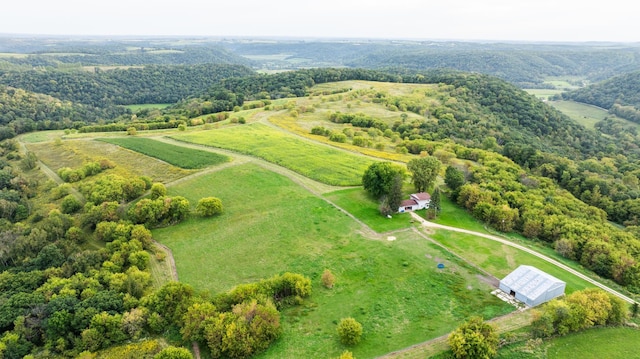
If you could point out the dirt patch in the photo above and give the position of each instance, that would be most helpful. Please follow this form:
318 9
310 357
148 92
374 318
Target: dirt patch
493 281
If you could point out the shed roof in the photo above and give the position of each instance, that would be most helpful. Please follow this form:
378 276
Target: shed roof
531 282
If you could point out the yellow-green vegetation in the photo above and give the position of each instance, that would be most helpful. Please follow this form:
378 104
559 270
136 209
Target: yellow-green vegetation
297 126
270 225
146 349
319 162
179 156
74 153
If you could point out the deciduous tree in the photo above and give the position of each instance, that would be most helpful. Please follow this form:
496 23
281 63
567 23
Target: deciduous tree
424 171
474 339
378 178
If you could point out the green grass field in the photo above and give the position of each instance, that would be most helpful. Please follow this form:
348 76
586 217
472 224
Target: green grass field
610 343
271 225
150 106
585 115
321 163
74 153
357 202
180 156
604 342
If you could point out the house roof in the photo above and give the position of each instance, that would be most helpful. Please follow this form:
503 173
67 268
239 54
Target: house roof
408 202
422 196
531 282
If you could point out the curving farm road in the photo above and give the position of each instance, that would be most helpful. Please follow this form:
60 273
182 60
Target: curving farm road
528 250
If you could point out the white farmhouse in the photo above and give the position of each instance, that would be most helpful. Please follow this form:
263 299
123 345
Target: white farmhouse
415 202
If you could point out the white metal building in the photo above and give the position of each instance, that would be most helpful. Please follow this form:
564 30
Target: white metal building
532 286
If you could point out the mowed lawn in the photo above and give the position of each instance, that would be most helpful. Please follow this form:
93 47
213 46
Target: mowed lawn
271 225
179 156
319 162
357 202
610 343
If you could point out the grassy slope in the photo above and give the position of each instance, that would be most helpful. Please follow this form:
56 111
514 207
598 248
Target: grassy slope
496 258
73 153
270 225
321 163
604 342
182 157
357 202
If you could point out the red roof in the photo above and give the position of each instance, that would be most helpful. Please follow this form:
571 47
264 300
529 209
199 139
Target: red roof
422 196
408 202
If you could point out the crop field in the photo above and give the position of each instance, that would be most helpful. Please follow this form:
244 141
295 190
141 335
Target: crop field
179 156
74 153
319 162
271 225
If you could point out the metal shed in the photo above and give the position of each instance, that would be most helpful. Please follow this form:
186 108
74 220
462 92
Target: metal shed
532 286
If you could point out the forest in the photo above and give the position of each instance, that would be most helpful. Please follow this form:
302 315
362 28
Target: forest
76 255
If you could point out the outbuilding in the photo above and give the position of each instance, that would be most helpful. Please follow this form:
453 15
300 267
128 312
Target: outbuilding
532 286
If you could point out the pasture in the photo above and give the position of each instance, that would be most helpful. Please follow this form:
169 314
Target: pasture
180 156
74 153
603 342
147 106
586 115
271 225
319 162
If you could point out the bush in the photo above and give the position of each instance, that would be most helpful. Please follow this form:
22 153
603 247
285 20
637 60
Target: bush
158 190
474 339
209 206
70 204
328 279
173 353
349 331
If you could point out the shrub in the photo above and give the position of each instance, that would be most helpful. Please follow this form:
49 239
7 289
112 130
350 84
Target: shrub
349 331
173 353
209 206
328 279
70 204
474 339
158 190
338 137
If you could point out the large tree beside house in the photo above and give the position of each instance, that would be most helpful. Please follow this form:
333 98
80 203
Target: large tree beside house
379 177
424 171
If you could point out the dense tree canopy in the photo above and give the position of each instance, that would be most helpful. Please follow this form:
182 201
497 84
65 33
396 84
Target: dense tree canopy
378 179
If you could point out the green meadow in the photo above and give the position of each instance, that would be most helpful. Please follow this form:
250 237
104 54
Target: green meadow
179 156
319 162
596 343
271 225
149 106
357 202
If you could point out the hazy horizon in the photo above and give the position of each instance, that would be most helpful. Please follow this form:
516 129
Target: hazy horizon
456 20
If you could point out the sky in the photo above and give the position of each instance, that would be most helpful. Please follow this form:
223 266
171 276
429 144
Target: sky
501 20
